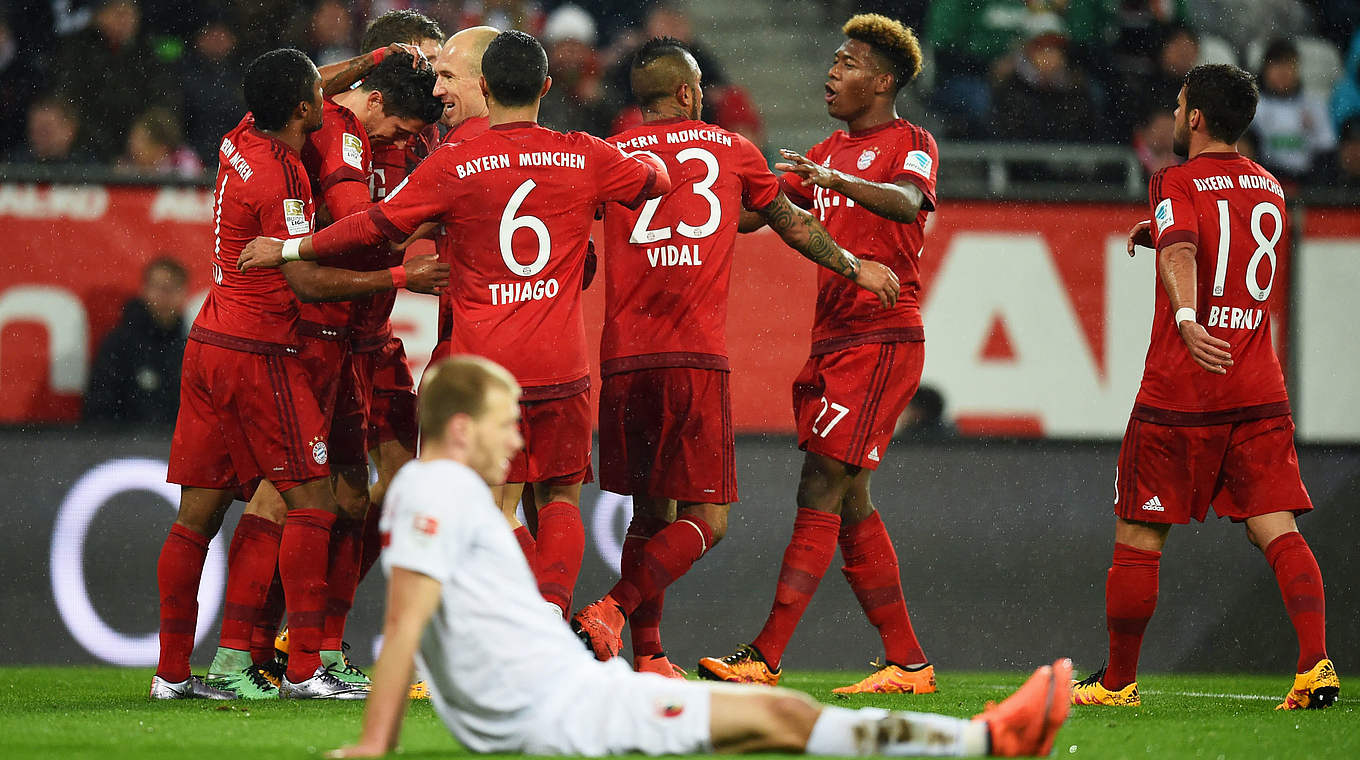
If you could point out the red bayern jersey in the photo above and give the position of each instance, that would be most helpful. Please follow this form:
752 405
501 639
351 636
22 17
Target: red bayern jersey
846 314
465 130
668 263
337 153
1233 211
261 189
517 204
368 320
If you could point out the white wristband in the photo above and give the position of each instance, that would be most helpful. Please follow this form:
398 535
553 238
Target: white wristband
292 249
1184 314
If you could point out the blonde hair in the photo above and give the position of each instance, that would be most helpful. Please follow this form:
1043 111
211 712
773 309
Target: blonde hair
459 385
891 39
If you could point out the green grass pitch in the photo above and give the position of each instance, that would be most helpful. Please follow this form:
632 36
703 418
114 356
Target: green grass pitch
104 713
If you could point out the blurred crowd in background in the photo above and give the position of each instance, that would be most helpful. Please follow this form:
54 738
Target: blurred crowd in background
149 86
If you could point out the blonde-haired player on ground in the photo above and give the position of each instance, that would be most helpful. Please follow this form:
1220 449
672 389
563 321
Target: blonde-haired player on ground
504 677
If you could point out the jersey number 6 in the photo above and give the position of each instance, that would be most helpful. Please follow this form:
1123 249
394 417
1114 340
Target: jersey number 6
510 223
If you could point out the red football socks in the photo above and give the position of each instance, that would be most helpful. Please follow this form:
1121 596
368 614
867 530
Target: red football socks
342 578
559 550
1296 570
806 560
644 625
372 541
303 563
671 552
251 559
1130 598
872 570
526 545
267 622
178 572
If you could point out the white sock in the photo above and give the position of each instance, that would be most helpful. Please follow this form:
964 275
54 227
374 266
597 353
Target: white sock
875 731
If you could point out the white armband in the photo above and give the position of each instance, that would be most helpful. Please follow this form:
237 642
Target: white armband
1184 314
292 249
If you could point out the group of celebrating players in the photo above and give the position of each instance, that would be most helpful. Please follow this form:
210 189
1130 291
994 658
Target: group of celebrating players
293 379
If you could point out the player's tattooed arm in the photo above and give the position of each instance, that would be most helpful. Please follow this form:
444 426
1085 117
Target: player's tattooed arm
341 75
806 235
899 202
750 221
1176 266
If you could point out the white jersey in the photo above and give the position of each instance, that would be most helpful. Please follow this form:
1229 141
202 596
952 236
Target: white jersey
492 654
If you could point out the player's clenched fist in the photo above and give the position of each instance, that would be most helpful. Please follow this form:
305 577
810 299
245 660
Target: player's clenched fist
425 274
260 252
879 280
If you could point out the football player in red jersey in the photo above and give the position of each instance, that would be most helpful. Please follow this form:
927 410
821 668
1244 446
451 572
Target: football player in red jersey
1211 425
872 185
247 411
517 204
668 267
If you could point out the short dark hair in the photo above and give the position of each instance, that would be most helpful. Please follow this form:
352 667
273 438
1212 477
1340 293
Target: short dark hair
515 68
658 67
1227 97
400 26
275 83
406 89
171 267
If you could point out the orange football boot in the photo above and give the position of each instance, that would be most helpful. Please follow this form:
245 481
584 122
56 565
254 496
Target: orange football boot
599 625
891 679
742 666
1027 722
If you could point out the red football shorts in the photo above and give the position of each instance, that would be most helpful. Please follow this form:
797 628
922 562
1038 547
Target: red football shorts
392 403
244 417
349 423
667 433
323 359
1169 474
556 442
846 403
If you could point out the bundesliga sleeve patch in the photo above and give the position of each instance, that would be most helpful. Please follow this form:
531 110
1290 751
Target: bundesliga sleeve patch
295 217
1164 216
918 162
352 150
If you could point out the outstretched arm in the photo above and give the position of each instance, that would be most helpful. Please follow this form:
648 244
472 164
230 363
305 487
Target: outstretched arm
806 235
1176 266
412 599
899 202
313 282
341 75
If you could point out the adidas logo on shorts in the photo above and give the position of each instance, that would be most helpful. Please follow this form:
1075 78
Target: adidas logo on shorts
873 455
1154 505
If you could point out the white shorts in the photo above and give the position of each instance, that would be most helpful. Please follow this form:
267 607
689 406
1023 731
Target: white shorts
616 711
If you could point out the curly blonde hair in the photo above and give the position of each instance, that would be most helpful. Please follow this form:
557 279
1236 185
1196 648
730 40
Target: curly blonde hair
891 39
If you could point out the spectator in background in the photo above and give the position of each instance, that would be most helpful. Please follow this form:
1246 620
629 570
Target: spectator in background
20 81
1140 28
53 129
1177 51
1043 98
1347 171
524 15
1292 128
1346 92
1153 143
213 104
156 146
331 35
923 419
576 101
111 74
135 377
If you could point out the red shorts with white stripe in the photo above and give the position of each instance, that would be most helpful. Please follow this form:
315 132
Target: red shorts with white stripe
846 402
244 417
392 404
667 433
556 441
1171 473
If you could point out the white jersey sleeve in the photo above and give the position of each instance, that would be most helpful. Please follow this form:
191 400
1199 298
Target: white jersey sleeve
420 524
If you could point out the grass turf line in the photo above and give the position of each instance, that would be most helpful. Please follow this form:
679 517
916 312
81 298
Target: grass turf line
104 713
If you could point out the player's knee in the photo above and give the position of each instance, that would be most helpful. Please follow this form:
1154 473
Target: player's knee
712 515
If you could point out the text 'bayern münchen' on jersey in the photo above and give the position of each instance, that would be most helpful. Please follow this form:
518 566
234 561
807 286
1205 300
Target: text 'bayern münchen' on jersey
261 189
517 203
890 153
1233 212
668 262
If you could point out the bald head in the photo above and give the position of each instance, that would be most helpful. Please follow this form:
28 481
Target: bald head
459 72
665 78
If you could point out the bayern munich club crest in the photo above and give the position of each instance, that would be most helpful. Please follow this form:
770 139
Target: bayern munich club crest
866 158
319 452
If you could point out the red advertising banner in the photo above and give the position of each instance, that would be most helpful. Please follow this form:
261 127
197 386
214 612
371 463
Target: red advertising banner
1036 320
